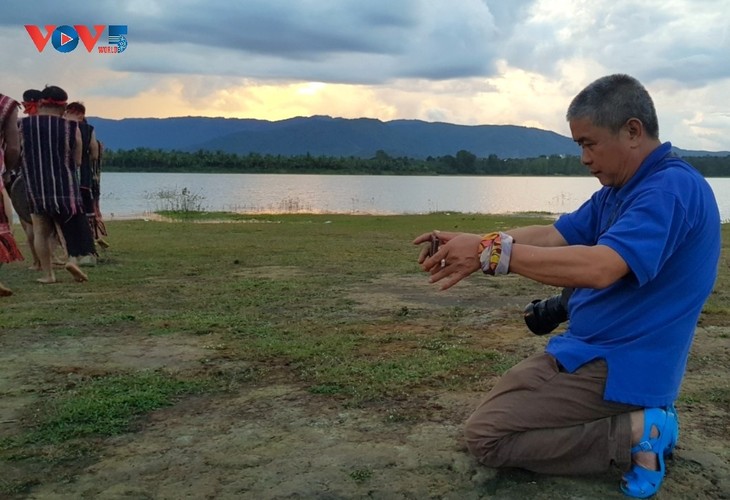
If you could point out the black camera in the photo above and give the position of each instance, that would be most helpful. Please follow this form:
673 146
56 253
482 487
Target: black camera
544 316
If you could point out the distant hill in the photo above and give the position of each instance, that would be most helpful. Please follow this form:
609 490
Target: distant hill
327 136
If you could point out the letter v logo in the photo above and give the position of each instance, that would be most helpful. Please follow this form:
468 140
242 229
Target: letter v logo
39 40
85 35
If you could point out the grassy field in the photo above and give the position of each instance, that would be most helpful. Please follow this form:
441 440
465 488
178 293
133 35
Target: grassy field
334 305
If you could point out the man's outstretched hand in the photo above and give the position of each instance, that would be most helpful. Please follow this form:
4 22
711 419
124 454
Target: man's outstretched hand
457 256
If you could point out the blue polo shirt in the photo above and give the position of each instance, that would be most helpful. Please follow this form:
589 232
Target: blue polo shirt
665 224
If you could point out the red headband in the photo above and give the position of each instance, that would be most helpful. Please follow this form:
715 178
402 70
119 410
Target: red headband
53 102
30 107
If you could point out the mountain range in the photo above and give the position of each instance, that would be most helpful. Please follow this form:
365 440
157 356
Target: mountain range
339 137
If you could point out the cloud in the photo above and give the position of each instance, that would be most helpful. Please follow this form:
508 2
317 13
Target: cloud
654 39
305 30
380 40
346 41
342 41
466 61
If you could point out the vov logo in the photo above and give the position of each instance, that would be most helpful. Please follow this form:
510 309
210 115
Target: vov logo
66 38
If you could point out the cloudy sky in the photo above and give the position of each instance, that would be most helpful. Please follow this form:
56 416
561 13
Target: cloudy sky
461 61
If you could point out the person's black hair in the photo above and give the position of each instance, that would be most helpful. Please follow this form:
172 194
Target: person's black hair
32 95
76 107
611 101
54 93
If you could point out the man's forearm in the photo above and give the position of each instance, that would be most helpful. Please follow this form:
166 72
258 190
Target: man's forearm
572 266
539 236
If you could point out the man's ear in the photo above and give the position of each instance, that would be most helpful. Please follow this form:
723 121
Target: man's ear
635 129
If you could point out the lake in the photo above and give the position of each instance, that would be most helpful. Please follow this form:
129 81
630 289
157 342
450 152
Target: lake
126 195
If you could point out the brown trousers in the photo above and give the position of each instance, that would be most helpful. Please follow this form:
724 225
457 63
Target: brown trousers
540 418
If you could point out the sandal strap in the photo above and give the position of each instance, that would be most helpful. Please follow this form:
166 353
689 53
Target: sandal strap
653 418
644 446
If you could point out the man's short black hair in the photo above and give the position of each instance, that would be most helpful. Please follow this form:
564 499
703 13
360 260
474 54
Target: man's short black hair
32 95
53 93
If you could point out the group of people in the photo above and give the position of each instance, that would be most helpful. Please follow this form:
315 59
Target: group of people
50 164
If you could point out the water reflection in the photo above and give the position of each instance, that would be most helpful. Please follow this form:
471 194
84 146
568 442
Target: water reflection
132 194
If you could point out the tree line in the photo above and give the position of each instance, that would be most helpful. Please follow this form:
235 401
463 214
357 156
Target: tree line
463 163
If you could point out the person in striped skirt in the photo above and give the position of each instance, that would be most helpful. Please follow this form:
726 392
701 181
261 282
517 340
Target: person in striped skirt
51 155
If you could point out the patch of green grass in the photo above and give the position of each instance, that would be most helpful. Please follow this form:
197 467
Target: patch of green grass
376 377
361 475
396 375
106 406
714 309
715 395
326 389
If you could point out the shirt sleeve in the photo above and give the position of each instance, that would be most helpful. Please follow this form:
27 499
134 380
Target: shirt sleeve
648 232
580 227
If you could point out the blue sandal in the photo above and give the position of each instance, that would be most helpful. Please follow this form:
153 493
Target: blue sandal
669 452
640 482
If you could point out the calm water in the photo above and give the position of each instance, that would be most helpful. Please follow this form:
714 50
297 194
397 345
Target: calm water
134 194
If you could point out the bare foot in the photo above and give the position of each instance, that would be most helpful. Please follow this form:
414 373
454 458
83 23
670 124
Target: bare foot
77 273
5 291
46 280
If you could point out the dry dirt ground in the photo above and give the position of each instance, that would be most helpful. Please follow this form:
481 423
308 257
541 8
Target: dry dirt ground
271 439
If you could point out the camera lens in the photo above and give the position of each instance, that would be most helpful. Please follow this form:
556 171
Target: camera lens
544 316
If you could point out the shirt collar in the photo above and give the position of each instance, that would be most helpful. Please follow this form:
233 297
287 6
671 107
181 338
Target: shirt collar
645 169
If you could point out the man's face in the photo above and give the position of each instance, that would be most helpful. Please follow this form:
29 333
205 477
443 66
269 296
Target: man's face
606 154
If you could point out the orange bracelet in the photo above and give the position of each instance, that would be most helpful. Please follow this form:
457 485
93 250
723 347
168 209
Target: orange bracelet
487 240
